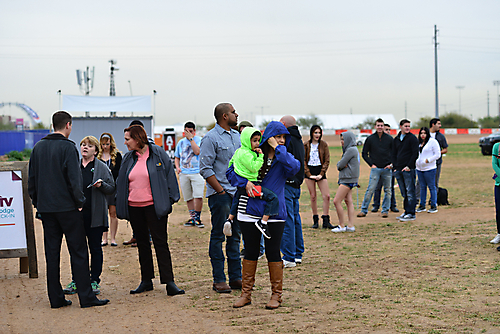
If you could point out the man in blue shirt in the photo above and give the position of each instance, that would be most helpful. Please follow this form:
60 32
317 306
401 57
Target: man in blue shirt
216 149
187 165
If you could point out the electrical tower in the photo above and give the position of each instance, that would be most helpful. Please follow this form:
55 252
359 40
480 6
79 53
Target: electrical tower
85 80
112 69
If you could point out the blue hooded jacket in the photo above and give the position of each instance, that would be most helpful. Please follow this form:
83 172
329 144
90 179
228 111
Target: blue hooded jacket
284 166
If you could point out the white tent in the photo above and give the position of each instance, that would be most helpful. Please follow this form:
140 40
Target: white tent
76 103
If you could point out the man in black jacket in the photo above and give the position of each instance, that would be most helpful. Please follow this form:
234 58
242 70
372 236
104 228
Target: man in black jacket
377 152
292 242
56 189
405 154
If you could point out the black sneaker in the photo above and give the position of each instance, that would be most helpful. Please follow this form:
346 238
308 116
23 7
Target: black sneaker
190 222
199 224
262 228
375 210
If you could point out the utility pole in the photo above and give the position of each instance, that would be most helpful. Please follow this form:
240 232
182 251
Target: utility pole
460 98
112 70
262 112
436 70
130 85
497 83
488 102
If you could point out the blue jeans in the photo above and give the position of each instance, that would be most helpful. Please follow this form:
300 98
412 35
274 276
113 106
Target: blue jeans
220 205
378 193
292 243
375 175
406 182
428 179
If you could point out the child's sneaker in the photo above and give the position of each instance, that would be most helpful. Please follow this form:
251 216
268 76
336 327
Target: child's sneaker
70 288
338 229
96 288
199 224
262 228
228 228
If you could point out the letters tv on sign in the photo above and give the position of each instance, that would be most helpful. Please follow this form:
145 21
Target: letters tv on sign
12 225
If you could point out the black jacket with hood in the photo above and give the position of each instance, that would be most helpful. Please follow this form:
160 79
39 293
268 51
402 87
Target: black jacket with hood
296 148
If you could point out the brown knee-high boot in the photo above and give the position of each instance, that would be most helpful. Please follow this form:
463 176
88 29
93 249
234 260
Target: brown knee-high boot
276 278
247 282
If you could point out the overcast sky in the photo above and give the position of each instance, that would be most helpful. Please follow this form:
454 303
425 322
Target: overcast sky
275 57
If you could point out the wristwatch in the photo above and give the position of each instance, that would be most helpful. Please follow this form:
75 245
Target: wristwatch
190 139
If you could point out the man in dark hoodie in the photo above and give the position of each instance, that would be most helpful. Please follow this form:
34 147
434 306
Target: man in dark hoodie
405 154
55 187
292 243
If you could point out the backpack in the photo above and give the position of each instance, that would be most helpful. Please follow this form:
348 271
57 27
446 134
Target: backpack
442 196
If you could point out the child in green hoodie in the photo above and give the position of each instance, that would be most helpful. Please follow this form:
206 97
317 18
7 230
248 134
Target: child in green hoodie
247 161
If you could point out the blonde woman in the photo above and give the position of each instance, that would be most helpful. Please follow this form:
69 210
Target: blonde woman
110 155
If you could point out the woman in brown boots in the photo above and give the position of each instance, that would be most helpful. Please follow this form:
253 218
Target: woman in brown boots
316 163
278 166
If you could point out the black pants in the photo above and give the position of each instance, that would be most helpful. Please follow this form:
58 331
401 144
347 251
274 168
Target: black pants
145 221
69 224
251 238
94 238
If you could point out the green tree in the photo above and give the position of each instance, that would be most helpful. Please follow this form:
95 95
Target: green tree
489 122
309 121
39 126
368 123
454 120
449 120
424 121
264 124
7 127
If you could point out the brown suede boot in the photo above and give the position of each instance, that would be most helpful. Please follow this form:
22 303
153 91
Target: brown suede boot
247 282
276 278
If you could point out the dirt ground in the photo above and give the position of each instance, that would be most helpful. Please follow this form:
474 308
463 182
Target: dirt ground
438 274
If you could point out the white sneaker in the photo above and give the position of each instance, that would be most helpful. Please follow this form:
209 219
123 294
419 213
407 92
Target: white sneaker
350 229
298 261
289 264
399 217
338 229
496 239
432 210
228 230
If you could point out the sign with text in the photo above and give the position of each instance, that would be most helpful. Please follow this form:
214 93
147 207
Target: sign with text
12 225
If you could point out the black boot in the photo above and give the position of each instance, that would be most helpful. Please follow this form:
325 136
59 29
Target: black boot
173 290
144 286
315 221
326 222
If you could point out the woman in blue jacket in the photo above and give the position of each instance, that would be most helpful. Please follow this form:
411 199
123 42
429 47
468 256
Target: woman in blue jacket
278 166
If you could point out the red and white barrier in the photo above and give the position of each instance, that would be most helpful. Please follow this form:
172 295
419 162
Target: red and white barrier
471 131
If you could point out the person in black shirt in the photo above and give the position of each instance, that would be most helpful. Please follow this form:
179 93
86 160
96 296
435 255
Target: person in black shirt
377 152
97 184
55 187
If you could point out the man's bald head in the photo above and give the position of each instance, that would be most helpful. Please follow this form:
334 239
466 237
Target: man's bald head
288 121
221 109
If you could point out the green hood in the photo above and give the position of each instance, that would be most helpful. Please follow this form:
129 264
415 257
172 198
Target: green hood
246 135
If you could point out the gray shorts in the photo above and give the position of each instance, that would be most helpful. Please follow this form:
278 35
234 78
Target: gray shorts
192 186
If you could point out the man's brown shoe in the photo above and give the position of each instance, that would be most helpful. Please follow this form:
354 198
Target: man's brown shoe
361 214
235 285
131 241
221 287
